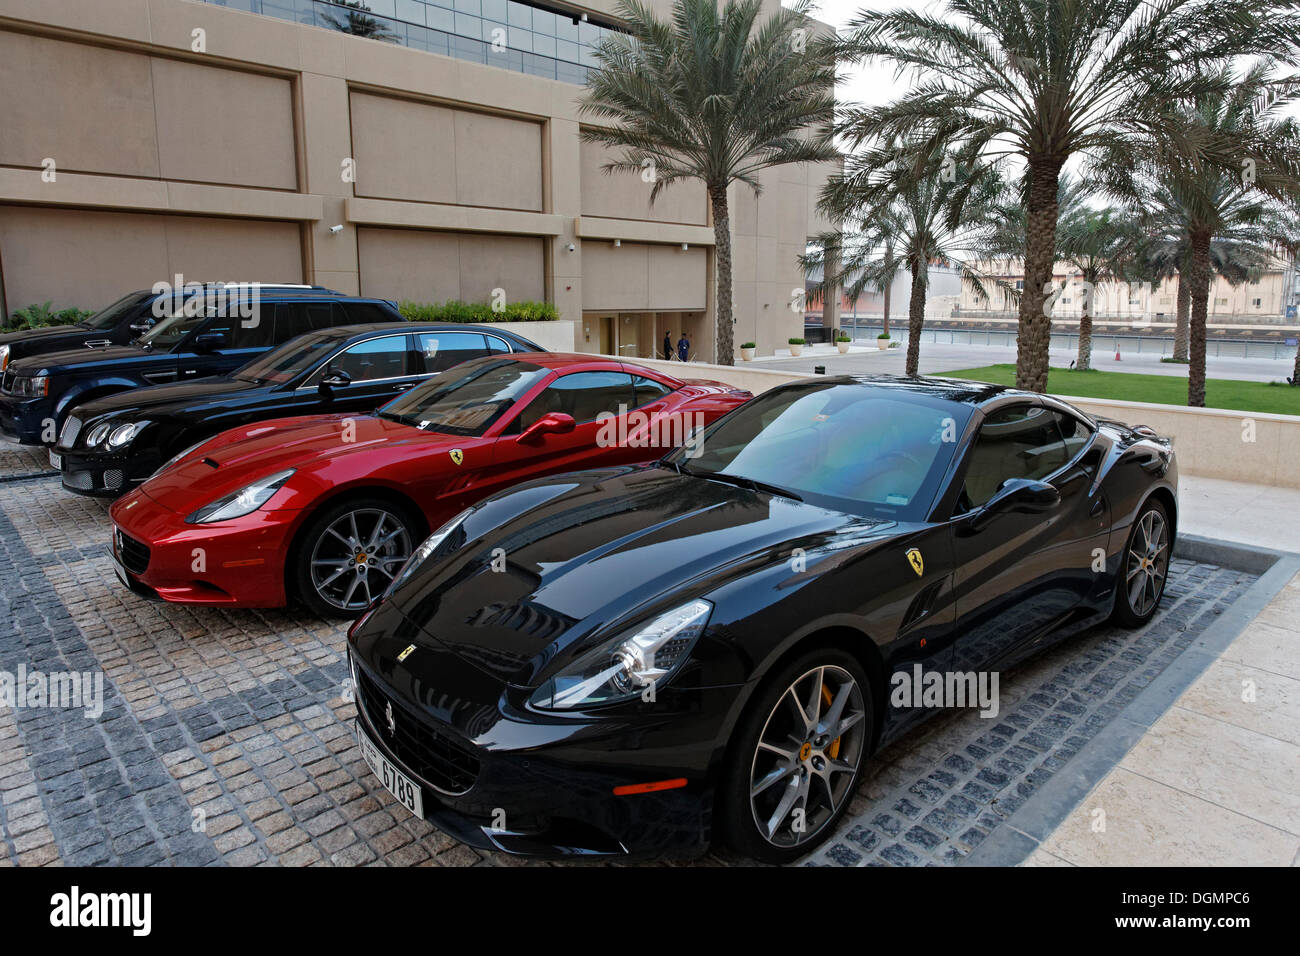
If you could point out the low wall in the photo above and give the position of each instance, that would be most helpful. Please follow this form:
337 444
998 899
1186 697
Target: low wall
1259 448
554 336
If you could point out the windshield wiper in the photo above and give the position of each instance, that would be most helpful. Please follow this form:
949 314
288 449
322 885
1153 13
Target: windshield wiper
400 419
743 482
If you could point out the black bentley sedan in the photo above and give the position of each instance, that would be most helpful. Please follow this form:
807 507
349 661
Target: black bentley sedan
640 660
111 445
196 331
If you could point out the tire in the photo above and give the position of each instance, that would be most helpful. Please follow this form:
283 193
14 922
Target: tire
338 566
763 784
1143 568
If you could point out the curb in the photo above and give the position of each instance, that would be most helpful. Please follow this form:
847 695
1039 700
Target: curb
1047 809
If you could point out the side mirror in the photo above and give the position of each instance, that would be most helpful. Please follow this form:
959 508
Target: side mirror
335 379
209 341
1019 495
552 423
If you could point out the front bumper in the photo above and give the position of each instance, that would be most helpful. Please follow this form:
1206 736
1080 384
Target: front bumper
23 420
103 476
534 785
232 564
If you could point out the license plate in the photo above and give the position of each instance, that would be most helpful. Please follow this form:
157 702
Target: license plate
56 461
120 569
406 790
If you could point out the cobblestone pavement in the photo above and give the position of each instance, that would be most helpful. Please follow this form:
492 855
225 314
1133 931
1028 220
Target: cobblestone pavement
226 736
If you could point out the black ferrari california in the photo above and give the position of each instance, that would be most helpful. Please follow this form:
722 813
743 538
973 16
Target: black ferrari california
636 661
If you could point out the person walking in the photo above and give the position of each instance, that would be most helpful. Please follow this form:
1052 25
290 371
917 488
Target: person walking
683 347
668 346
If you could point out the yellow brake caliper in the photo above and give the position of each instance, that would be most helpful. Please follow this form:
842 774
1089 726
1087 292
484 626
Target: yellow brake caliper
834 748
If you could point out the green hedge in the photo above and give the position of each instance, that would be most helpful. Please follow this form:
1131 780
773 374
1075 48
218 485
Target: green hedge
455 311
40 316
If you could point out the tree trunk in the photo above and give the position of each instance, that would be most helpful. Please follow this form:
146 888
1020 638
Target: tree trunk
1035 326
1184 310
1199 279
1084 361
915 318
885 306
724 341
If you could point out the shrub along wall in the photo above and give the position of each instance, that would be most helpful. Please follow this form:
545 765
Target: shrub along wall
455 311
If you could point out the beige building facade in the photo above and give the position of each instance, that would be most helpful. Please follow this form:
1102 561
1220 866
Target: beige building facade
1261 300
144 139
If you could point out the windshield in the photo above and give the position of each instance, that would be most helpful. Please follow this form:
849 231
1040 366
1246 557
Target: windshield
466 399
173 326
877 452
108 318
289 360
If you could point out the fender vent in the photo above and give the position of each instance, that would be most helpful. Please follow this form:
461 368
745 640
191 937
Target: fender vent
921 604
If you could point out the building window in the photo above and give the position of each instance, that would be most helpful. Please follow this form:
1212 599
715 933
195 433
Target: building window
1256 302
521 37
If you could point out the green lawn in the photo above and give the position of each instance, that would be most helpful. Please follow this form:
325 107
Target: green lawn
1162 389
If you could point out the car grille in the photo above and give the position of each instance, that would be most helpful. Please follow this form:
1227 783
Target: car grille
428 754
134 554
79 480
7 382
71 429
112 479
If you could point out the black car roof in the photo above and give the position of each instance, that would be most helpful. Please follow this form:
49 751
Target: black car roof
947 389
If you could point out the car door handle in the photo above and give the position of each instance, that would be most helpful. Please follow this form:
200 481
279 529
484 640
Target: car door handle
404 386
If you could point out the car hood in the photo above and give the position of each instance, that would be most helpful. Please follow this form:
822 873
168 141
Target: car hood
162 401
72 361
590 553
308 444
45 332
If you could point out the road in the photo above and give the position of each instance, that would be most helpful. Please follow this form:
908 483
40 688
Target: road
937 358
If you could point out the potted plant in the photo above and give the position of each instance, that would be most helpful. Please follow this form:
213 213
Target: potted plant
796 347
882 341
747 350
842 343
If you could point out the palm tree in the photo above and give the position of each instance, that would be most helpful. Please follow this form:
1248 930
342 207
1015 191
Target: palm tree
1251 206
908 215
717 94
1047 81
1236 259
356 23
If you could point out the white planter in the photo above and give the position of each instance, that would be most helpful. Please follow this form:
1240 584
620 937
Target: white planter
747 355
882 344
843 347
796 350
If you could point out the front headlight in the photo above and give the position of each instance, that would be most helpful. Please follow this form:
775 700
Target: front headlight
123 435
97 433
4 357
35 386
623 667
242 502
426 548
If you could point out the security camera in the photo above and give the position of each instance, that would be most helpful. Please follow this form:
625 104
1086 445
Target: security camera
336 229
571 247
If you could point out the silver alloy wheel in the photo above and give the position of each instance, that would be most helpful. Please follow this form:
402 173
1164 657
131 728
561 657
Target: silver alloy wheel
357 557
1147 563
807 756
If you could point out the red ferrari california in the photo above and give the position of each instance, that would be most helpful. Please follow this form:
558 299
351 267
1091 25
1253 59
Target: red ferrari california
329 507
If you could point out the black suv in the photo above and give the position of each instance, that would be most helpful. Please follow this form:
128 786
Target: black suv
195 334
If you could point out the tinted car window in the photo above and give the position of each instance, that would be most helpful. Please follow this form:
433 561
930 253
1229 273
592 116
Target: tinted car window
174 326
495 344
647 390
368 312
323 315
444 350
258 329
1020 441
387 357
857 449
109 317
467 399
1074 432
584 395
